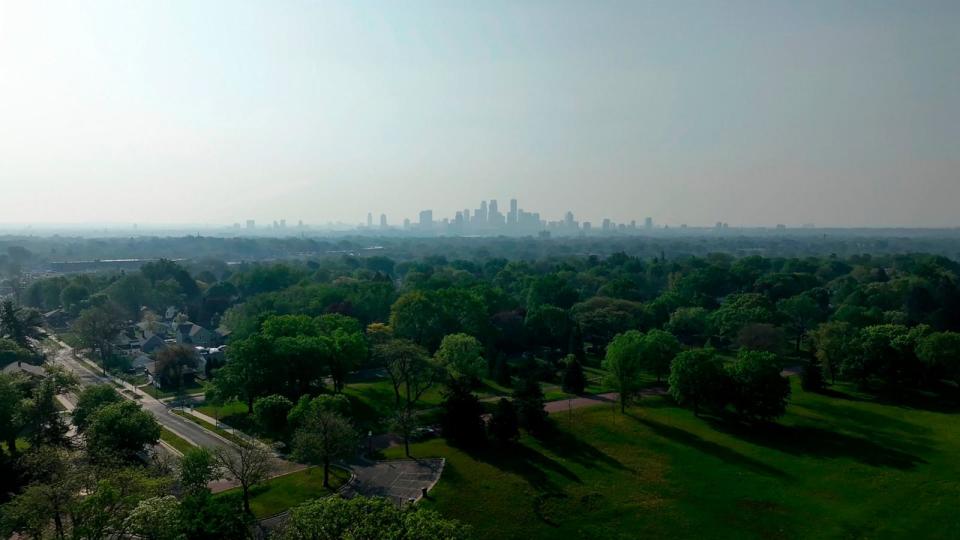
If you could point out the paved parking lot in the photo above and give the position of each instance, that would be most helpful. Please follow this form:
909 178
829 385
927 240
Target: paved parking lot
400 480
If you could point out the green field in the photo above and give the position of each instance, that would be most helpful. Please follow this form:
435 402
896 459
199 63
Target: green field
835 467
283 492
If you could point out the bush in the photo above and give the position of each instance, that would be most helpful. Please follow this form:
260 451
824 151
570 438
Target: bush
270 413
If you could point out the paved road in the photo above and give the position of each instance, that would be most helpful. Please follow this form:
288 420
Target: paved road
186 429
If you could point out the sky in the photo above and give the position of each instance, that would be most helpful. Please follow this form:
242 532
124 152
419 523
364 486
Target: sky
839 113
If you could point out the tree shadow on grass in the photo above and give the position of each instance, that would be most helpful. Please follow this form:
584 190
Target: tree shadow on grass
942 401
571 447
708 447
820 443
525 462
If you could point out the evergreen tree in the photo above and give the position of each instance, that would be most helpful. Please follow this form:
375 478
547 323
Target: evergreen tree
504 424
528 397
574 380
462 419
811 379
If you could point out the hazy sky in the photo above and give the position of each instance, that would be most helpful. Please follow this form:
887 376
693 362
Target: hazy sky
839 113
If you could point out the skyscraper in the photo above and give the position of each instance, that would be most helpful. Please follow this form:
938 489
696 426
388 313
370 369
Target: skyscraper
426 219
251 224
512 216
648 223
369 220
383 221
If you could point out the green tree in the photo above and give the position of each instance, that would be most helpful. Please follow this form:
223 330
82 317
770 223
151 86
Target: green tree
803 312
529 401
325 436
10 416
96 328
697 379
689 324
624 365
410 369
940 353
198 467
504 424
334 518
462 416
270 413
574 381
658 348
460 357
404 422
120 431
834 344
156 518
20 325
173 362
759 391
91 400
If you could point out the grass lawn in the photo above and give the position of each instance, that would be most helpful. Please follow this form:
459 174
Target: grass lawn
175 440
156 393
835 467
279 494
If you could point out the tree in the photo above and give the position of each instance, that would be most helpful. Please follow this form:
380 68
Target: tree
72 296
460 357
689 324
120 431
250 372
334 518
409 367
39 413
811 378
324 437
96 328
803 312
10 405
403 422
10 352
602 318
657 349
833 343
504 424
22 326
249 464
759 391
529 401
623 364
697 378
173 362
91 400
205 517
156 518
574 381
462 417
198 467
270 413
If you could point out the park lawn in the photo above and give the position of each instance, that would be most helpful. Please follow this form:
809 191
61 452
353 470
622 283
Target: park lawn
835 467
283 492
175 440
156 393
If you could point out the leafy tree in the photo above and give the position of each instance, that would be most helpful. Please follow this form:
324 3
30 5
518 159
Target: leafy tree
334 518
737 311
759 392
574 381
601 318
249 464
72 296
198 467
403 422
504 423
460 356
156 518
697 379
173 362
96 328
462 417
22 326
270 413
834 345
307 406
409 367
11 352
688 324
249 373
803 312
658 348
624 364
11 423
120 431
347 351
90 400
940 353
529 401
40 416
811 378
760 337
205 517
501 371
324 437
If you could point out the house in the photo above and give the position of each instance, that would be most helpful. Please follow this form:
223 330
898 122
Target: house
152 344
158 380
170 313
147 328
189 333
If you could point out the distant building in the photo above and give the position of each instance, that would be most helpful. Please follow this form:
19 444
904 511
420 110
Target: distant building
648 223
251 224
383 221
369 220
426 219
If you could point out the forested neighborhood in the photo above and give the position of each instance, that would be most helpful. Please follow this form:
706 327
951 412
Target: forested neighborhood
309 371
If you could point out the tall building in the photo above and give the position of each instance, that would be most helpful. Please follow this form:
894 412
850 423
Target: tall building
512 216
426 219
251 224
568 219
383 221
648 223
283 224
369 220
